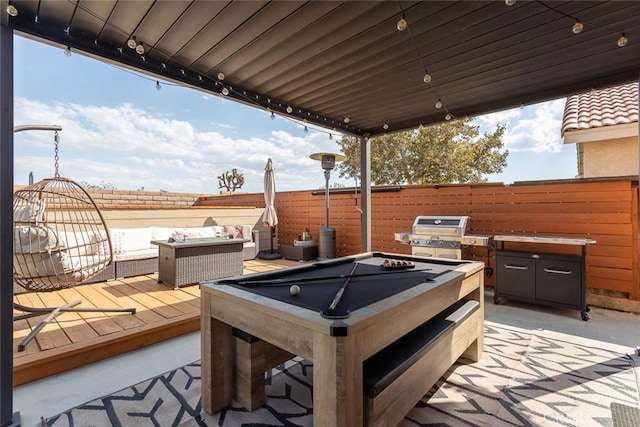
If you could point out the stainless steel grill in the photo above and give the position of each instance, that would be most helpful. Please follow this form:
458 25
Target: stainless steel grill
441 237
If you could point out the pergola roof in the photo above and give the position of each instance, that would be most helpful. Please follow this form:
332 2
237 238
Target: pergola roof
329 61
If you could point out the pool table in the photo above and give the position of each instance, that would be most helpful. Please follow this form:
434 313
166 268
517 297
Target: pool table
378 306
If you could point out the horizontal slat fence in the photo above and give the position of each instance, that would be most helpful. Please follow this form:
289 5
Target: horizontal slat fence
602 210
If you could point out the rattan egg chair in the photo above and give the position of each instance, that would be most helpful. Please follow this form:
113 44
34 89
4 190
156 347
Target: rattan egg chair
60 240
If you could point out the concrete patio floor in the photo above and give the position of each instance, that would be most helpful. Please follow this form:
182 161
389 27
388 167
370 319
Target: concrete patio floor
52 395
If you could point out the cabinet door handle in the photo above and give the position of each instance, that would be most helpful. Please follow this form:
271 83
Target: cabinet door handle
547 270
516 267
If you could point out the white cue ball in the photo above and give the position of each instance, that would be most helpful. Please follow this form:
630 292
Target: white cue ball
294 290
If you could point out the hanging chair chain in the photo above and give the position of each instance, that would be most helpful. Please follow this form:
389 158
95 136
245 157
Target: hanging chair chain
56 157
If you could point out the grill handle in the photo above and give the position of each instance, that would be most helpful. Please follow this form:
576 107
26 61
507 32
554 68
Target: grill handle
515 267
566 272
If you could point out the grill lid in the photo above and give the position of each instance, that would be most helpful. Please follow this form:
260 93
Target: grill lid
440 225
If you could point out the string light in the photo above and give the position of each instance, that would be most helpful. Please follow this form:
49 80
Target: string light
132 43
509 2
622 41
577 27
385 126
12 11
438 104
427 77
273 115
448 116
402 23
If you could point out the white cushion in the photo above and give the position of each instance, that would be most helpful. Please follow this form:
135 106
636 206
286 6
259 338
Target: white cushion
140 254
161 233
246 232
34 239
78 243
30 212
195 232
39 264
130 239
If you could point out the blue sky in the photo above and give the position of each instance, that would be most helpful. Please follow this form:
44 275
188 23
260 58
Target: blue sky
118 129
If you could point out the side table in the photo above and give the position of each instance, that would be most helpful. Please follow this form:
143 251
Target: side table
299 253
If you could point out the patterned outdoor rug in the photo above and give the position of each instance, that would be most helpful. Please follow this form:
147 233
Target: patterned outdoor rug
523 379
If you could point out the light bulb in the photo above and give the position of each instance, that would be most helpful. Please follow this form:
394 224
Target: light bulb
273 116
346 119
330 136
220 76
509 2
67 51
577 27
140 49
306 129
439 104
402 24
12 11
622 41
158 87
132 43
427 77
225 91
448 116
385 126
289 109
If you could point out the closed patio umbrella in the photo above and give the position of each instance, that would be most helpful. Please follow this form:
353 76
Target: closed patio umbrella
270 216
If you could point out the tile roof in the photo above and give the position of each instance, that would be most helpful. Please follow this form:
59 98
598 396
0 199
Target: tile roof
599 108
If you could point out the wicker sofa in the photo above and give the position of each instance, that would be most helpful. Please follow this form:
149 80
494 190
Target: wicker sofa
134 255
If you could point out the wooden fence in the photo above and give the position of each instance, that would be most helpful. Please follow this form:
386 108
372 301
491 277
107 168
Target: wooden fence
603 210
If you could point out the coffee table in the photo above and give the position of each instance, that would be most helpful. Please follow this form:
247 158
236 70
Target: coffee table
191 261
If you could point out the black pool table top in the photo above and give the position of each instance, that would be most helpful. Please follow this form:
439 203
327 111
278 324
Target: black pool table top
318 283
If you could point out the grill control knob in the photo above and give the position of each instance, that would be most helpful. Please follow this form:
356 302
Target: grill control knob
452 244
440 243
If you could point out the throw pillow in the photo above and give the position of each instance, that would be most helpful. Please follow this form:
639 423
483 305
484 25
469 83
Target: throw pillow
234 231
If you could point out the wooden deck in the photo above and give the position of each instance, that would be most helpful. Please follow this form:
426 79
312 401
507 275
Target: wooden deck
76 339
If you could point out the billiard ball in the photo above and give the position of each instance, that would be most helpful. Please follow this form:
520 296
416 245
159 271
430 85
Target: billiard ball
294 290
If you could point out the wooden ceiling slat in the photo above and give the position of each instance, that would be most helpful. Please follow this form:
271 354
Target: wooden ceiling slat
249 32
225 23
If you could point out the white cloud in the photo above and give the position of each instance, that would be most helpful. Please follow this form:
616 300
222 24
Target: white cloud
541 132
131 148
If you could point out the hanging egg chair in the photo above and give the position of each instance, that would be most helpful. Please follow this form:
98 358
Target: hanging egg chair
60 240
60 237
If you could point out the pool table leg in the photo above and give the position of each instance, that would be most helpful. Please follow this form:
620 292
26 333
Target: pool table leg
217 359
337 381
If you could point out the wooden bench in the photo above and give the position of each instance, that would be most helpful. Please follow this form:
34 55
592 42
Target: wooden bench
395 378
399 375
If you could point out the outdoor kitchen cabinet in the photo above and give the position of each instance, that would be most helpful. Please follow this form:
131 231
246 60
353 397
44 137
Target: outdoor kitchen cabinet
555 280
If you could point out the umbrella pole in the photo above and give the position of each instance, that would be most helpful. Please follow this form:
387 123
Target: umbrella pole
273 234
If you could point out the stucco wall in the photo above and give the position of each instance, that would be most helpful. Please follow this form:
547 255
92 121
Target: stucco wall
615 157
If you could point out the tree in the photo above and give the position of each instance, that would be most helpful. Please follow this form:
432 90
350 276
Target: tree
231 181
452 152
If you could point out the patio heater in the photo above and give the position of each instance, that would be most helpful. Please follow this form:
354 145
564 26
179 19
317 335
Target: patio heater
327 235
